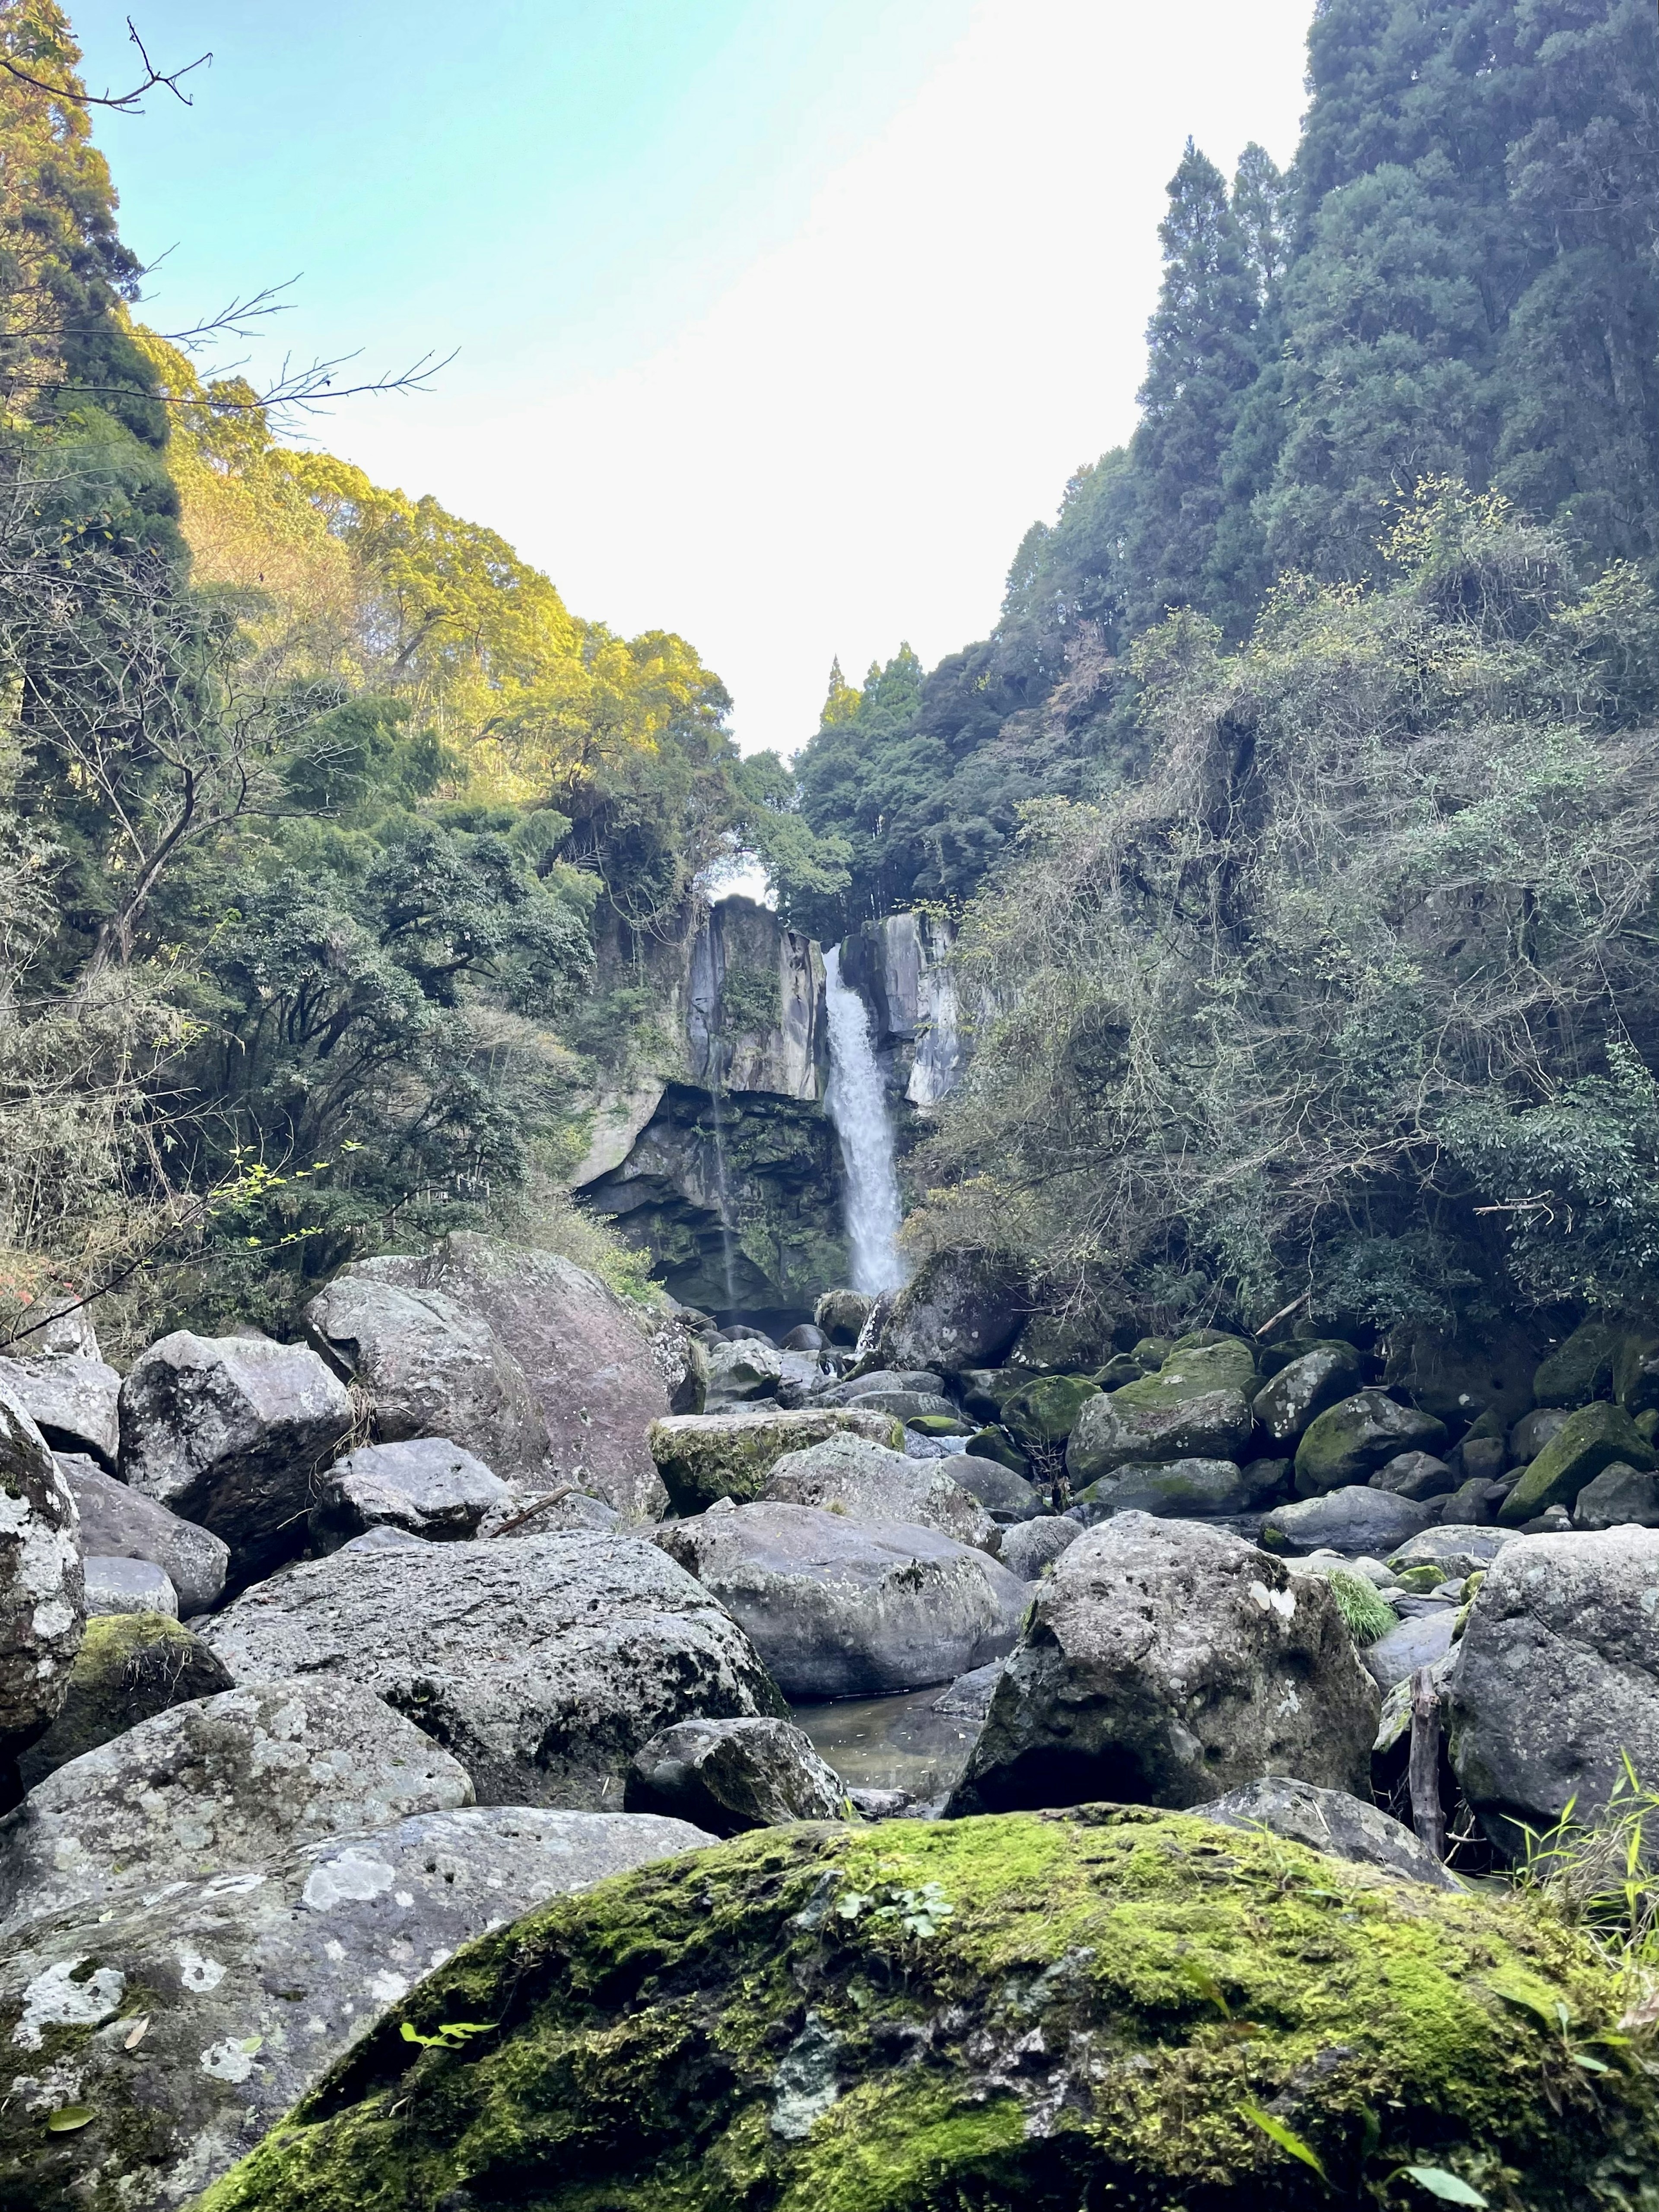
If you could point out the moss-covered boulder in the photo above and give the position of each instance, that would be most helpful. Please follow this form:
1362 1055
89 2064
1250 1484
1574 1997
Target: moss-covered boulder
1046 1412
704 1456
129 1666
1593 1438
1579 1369
1039 2010
1352 1439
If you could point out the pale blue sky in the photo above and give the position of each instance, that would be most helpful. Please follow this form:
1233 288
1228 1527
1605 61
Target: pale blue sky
778 323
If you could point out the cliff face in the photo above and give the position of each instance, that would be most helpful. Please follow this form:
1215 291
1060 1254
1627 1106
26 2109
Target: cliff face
902 968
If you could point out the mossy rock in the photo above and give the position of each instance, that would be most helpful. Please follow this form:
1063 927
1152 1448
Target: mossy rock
794 2022
1045 1412
1579 1369
1591 1439
996 1444
129 1666
704 1456
939 1425
1226 1363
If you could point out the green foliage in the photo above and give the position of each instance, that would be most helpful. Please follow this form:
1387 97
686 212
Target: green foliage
1366 1614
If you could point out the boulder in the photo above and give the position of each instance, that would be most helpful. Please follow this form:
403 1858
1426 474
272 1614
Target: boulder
969 1697
1534 1430
1457 1551
704 1456
1054 1344
1473 1504
120 1523
1355 1519
1164 1417
430 1486
727 1776
850 1474
841 1314
1046 1412
1004 1494
1162 1658
1303 1388
1031 1546
805 1336
1579 1369
560 1511
1333 1821
129 1666
117 1585
1620 1497
1420 1640
1558 1683
905 1404
1181 1490
1636 1373
1594 1438
231 1432
985 1390
223 1782
42 1589
841 1609
75 1402
186 2021
821 2039
542 1664
857 1386
742 1369
1482 1459
1350 1441
1415 1475
960 1309
429 1366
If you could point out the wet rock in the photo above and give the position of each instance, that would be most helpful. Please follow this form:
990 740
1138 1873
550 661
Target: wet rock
867 1482
960 1309
230 1431
559 1513
704 1456
430 1486
1592 1438
1306 1386
1004 1494
75 1402
1415 1475
1558 1683
226 1782
969 1697
129 1666
1162 1658
543 1664
1342 1825
118 1585
1347 1443
42 1592
1473 1504
120 1523
841 1314
1031 1546
188 2021
1182 1490
1354 1519
841 1609
1619 1497
1419 1641
727 1776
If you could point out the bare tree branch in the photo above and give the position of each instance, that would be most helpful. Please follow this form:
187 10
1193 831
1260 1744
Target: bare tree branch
123 103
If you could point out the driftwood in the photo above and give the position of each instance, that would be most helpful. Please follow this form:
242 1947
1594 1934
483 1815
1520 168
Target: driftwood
1423 1769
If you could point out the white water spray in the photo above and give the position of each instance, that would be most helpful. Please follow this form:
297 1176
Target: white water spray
857 1104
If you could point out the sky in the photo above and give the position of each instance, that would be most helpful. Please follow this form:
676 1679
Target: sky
776 325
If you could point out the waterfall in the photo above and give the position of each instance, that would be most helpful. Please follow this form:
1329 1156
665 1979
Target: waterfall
857 1104
722 1187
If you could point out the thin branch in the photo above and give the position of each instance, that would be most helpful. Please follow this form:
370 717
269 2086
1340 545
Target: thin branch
123 103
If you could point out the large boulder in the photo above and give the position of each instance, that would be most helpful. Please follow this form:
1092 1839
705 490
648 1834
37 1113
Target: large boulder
543 1664
129 1666
1349 1441
1179 1490
75 1402
1000 1489
120 1523
1194 1406
1045 1413
431 1486
1165 1663
1305 1386
704 1456
741 1372
1334 1821
1356 1519
1029 2011
429 1366
841 1314
223 1782
842 1608
1592 1438
1422 1639
121 1585
42 1589
727 1776
1580 1368
231 1432
1620 1497
1558 1682
1030 1547
960 1309
867 1481
187 2021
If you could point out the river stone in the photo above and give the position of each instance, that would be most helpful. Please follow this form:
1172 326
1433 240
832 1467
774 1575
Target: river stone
1415 1475
120 1523
905 1405
1620 1497
727 1776
882 1378
543 1664
969 1697
1350 1441
1162 1658
1636 1373
1119 1429
231 1432
1594 1438
223 1782
1334 1821
129 1666
429 1485
1046 1412
1182 1489
841 1609
429 1366
1457 1551
1354 1519
741 1370
562 1511
1031 1546
42 1590
1473 1504
959 1309
704 1456
252 1984
842 1313
1534 1430
1306 1386
1004 1493
118 1585
1579 1369
1558 1683
867 1482
76 1403
1420 1640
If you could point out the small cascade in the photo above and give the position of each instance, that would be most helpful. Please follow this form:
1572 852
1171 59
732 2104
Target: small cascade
857 1104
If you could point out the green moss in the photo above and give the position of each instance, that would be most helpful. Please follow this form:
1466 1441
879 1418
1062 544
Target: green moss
129 1666
1590 1440
1046 1412
1082 2026
704 1456
1368 1615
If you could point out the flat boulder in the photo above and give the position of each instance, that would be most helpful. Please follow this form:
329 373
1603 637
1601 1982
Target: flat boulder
844 1608
74 1401
1594 1438
727 1776
1161 1658
704 1456
1350 1441
1305 1386
129 1666
430 1486
1159 1418
42 1589
1353 1519
120 1523
542 1664
1557 1685
867 1481
1334 1821
1420 1640
1178 1490
187 2021
231 1432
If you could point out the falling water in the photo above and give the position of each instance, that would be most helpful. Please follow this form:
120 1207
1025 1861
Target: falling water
857 1104
723 1189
